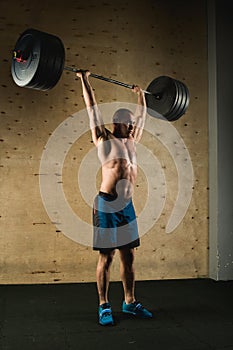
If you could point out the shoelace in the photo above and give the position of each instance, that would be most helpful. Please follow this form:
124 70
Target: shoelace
105 313
139 306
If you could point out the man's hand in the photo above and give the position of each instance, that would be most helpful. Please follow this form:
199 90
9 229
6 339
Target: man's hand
83 73
137 90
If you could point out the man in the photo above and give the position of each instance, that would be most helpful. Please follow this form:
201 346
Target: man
114 217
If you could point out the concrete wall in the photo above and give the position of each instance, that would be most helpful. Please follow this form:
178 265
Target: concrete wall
221 142
131 41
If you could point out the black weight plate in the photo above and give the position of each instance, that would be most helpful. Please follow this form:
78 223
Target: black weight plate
43 71
23 72
182 104
186 91
173 116
51 63
166 89
173 111
177 102
185 102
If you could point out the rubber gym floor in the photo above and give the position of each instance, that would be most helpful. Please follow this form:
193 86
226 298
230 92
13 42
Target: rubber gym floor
188 314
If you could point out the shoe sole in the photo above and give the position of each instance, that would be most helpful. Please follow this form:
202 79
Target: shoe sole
110 323
107 324
134 314
129 312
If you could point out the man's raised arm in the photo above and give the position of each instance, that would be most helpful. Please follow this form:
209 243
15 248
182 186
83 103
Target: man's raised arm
96 123
140 114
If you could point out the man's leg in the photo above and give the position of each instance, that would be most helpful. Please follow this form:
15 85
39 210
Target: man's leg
103 275
127 273
130 305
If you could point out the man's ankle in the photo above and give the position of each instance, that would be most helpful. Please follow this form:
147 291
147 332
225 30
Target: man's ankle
130 300
103 302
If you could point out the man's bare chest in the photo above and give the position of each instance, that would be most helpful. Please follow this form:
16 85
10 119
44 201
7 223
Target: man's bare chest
117 150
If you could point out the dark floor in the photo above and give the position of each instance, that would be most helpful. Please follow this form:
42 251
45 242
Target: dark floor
188 314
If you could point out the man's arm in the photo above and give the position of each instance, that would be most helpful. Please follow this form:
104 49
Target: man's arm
140 114
96 123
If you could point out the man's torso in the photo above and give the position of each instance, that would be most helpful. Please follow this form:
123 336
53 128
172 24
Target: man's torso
119 165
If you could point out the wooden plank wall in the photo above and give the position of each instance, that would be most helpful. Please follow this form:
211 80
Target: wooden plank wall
132 41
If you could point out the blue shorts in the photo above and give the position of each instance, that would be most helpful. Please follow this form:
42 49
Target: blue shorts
114 222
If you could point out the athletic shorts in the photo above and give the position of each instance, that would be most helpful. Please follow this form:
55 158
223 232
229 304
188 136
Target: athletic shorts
114 223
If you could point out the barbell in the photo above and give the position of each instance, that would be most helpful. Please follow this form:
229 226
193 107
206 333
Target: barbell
39 60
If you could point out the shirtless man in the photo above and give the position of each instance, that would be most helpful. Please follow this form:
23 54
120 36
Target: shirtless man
114 217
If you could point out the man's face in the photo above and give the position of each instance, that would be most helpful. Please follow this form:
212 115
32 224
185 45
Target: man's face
125 126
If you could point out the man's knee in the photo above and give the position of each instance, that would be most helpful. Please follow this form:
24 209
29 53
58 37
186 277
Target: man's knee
127 256
106 258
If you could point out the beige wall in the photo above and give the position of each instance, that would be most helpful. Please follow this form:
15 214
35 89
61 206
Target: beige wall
133 42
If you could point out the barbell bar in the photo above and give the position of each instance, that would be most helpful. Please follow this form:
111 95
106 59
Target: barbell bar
109 80
39 60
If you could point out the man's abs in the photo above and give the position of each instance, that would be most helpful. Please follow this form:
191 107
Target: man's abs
119 177
119 166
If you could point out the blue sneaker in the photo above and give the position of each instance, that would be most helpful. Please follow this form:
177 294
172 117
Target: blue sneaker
105 314
136 309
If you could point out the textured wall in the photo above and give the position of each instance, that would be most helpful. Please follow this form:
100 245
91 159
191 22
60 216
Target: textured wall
130 41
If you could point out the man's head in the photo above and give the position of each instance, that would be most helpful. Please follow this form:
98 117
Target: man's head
123 121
